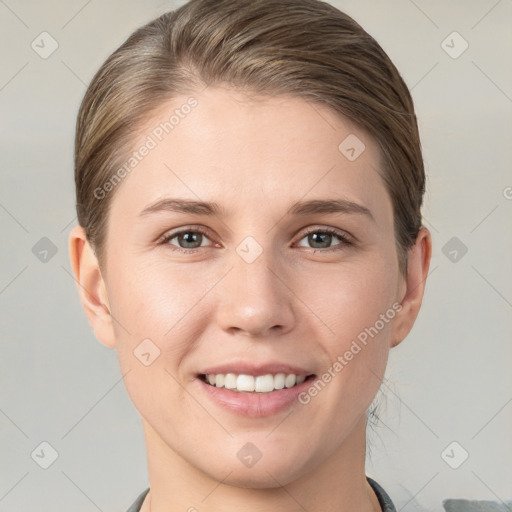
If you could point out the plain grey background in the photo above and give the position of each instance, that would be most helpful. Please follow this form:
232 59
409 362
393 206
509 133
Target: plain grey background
448 387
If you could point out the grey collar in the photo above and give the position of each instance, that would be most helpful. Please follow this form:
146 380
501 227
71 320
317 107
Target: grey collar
384 500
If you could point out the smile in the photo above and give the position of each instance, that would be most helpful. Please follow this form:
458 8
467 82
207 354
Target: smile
253 384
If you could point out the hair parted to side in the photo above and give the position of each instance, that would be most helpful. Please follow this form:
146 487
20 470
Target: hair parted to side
305 48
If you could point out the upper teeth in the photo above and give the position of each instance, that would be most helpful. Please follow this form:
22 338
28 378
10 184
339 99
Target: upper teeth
260 384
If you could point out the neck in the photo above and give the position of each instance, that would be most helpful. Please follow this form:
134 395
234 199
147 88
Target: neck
336 484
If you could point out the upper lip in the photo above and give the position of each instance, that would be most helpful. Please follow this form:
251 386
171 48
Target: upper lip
246 368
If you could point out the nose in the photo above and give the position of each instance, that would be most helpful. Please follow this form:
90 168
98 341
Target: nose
256 298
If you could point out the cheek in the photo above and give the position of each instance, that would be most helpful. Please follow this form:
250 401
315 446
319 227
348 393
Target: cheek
158 302
355 304
159 315
352 299
156 295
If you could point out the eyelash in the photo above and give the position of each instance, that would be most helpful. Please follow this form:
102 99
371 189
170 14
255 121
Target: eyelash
345 240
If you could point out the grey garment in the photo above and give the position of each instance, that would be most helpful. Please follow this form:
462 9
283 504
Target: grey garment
461 505
384 500
138 502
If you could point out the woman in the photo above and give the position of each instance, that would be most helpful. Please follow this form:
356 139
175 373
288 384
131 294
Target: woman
249 181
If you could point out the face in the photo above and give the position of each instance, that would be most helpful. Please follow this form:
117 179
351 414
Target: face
289 267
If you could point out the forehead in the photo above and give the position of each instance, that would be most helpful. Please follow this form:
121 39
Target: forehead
226 146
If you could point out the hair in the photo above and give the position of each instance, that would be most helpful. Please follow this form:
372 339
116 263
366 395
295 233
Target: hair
305 48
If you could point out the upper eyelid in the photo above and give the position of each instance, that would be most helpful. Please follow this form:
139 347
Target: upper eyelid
338 231
188 229
347 238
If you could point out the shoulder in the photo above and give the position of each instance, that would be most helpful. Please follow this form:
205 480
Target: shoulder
385 501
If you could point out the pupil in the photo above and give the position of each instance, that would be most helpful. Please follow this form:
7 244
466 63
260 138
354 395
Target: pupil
313 238
190 238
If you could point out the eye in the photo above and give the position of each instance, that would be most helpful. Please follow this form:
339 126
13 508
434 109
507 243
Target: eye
187 239
322 238
191 239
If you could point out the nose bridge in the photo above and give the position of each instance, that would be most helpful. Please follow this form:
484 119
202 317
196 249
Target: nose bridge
253 266
254 299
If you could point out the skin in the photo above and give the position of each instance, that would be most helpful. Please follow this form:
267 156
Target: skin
300 302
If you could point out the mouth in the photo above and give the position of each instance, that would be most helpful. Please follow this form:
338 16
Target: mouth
254 384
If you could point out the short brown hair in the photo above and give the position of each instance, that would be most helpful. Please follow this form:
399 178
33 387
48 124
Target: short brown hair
304 48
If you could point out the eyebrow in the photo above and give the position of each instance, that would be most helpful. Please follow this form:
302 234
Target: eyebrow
301 208
319 206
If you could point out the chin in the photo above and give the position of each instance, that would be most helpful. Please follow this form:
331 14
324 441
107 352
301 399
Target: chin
264 474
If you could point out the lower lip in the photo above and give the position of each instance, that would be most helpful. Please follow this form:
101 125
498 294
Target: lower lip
254 404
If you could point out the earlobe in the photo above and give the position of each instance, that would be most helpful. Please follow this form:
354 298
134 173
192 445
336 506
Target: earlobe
91 286
418 264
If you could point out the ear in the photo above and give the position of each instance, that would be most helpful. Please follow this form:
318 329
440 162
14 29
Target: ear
413 286
91 286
